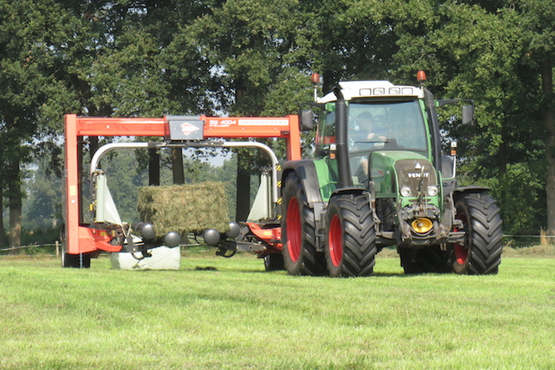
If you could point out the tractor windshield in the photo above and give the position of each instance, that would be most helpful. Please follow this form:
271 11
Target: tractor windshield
392 125
374 126
386 126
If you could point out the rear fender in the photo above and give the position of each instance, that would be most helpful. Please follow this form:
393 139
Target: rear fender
472 189
349 190
306 171
450 199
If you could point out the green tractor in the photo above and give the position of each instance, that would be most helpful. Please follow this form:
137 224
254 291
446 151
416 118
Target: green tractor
378 180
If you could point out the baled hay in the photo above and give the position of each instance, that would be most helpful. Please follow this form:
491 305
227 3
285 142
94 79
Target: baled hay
184 208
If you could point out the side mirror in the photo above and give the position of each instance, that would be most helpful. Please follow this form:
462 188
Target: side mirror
448 166
468 115
306 120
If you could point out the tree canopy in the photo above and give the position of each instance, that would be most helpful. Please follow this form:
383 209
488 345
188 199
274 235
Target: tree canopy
246 57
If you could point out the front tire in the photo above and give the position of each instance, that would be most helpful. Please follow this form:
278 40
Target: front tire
350 236
273 262
298 231
481 252
431 259
76 260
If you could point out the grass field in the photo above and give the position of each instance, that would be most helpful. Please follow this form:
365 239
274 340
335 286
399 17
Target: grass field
240 317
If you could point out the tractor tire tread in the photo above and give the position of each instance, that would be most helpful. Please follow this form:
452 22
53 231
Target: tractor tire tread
359 236
310 262
485 233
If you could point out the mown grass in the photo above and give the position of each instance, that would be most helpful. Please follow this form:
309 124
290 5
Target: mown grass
240 317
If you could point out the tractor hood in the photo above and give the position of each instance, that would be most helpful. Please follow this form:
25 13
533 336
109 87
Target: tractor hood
402 173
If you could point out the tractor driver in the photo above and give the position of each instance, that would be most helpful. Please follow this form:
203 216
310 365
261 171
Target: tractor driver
365 123
366 135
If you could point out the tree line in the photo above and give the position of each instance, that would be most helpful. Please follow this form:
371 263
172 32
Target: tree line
150 58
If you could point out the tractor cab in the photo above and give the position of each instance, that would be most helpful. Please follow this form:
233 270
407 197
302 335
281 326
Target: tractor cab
390 153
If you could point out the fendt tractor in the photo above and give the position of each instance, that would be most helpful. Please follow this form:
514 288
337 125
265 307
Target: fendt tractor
379 179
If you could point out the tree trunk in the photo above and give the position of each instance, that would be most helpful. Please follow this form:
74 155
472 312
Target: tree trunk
153 167
15 204
177 166
2 231
329 81
243 191
93 144
546 69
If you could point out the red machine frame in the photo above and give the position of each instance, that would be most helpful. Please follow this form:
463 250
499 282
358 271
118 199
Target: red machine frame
79 238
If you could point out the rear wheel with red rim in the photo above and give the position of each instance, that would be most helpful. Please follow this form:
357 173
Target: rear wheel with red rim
298 231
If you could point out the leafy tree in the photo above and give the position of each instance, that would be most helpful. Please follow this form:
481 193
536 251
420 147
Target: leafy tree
42 208
349 39
31 34
490 69
537 20
492 66
479 50
250 58
249 44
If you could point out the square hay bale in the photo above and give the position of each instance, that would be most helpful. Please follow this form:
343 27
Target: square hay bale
184 208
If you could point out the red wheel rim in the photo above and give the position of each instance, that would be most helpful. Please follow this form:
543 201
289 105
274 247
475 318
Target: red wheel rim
335 238
461 253
293 230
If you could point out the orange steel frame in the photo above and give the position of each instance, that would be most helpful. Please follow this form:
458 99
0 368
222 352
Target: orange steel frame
82 239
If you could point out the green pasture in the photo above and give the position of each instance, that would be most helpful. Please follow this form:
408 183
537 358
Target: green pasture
217 313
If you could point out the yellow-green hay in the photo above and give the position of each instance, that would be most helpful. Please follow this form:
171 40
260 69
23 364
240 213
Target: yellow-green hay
184 208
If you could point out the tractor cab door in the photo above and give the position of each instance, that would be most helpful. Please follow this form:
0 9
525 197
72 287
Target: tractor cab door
325 134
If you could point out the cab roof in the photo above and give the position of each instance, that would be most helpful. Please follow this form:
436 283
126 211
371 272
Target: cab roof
372 89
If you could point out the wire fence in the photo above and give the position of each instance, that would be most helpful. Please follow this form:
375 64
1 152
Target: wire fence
524 241
513 241
52 249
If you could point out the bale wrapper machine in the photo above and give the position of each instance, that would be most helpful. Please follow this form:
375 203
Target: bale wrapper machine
105 232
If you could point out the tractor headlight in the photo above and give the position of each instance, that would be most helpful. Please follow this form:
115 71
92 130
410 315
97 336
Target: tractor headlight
405 191
432 190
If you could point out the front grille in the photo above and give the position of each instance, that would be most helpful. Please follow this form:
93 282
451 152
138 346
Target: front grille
416 174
